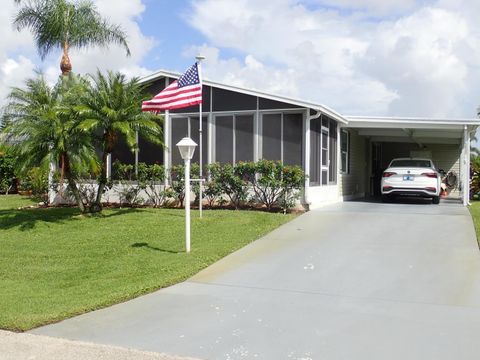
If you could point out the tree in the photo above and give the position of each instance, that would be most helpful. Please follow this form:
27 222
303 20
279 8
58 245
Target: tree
41 124
61 24
111 109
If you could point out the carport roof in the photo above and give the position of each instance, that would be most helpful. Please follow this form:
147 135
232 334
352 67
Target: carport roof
412 129
410 122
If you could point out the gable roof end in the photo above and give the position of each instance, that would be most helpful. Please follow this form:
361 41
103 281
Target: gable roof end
300 103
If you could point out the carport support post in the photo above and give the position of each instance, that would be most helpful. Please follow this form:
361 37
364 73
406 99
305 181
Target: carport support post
466 166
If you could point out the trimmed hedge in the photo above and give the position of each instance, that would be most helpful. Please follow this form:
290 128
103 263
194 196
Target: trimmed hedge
265 183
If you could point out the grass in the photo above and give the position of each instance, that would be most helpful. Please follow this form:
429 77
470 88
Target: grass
475 212
56 263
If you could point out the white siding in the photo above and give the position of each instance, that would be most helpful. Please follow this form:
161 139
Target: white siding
354 184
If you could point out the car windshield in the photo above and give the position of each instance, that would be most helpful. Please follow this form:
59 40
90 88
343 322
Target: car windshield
411 163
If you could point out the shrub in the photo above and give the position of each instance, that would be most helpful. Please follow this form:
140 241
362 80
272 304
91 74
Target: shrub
272 184
232 183
267 184
128 192
152 178
213 189
7 173
123 172
36 183
293 179
177 176
475 177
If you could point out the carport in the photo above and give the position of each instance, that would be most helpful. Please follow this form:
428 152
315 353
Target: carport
374 141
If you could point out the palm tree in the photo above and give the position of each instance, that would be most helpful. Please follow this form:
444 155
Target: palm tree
111 109
41 124
63 24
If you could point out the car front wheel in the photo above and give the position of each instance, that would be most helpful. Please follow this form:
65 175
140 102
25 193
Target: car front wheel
436 200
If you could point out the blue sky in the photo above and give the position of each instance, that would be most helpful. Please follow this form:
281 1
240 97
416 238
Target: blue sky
165 21
359 57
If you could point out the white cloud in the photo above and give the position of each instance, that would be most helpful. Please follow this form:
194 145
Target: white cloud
304 53
419 60
12 73
372 7
418 56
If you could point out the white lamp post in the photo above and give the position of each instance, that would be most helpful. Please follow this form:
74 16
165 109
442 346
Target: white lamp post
187 146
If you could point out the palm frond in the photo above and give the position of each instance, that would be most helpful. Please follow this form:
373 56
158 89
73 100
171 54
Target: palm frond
57 24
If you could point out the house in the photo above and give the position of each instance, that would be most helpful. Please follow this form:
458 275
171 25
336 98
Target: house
343 156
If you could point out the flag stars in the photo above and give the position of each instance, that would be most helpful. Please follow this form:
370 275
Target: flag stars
190 77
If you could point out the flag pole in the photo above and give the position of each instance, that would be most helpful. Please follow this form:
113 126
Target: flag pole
200 120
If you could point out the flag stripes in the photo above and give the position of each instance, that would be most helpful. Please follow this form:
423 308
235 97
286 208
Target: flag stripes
186 91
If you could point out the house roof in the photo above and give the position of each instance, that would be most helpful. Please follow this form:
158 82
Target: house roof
351 121
300 103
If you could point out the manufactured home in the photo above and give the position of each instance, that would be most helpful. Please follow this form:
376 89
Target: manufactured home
343 156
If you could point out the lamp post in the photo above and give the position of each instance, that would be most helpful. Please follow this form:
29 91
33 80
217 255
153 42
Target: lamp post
187 146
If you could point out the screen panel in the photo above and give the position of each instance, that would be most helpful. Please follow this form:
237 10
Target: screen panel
224 139
292 139
243 138
195 131
149 153
271 136
179 131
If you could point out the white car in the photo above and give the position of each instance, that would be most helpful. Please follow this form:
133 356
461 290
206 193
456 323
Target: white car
411 177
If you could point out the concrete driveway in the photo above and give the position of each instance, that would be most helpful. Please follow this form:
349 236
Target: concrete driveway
350 281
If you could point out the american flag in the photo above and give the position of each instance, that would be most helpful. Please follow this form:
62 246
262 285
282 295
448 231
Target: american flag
185 91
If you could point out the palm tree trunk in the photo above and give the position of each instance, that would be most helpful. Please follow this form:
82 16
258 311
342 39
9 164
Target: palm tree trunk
76 194
72 183
65 64
97 205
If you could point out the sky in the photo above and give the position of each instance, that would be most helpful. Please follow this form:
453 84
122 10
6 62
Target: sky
359 57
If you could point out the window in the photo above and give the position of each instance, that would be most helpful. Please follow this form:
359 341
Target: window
345 149
332 166
323 151
233 138
282 135
420 163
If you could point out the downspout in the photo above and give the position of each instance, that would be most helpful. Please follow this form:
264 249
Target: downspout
308 118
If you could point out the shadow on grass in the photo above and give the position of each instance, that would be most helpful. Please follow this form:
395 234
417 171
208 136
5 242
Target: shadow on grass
146 245
27 219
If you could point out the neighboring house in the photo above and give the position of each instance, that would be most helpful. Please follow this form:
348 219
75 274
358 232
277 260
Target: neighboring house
343 156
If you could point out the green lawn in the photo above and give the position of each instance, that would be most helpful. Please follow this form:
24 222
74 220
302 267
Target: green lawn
56 263
475 212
